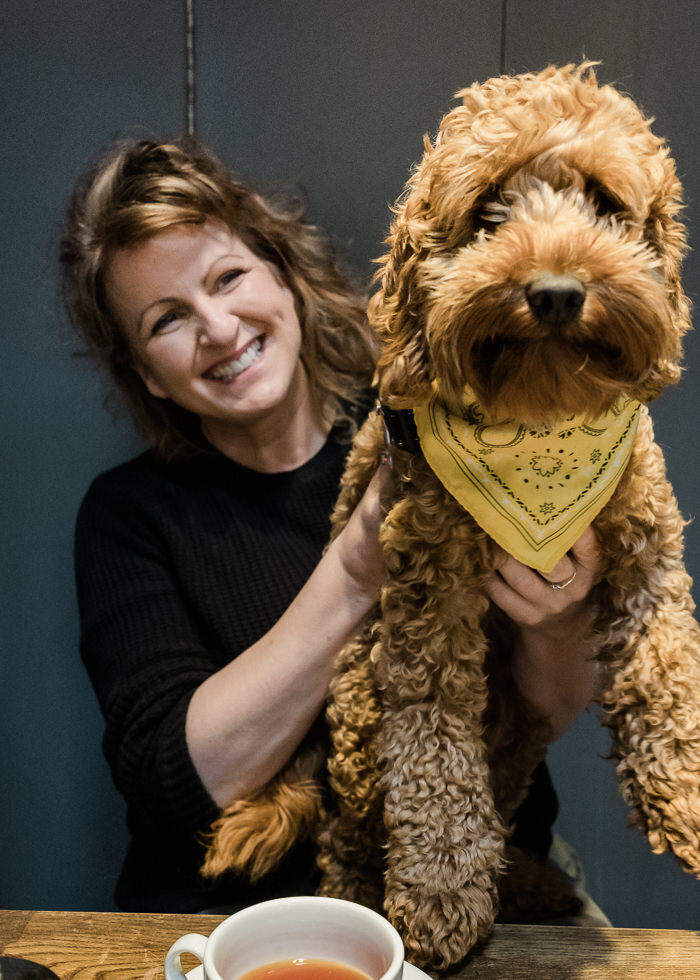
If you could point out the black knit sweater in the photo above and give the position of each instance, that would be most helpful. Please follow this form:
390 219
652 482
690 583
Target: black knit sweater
179 568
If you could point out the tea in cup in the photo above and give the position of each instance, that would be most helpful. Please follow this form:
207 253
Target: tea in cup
299 938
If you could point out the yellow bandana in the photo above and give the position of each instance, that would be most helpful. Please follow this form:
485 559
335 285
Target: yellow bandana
533 491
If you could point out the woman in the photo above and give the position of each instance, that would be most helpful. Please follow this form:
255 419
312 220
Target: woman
210 612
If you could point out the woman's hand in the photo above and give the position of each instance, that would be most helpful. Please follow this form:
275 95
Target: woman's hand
358 545
529 598
553 661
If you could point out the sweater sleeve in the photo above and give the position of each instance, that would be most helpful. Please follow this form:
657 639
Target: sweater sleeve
144 655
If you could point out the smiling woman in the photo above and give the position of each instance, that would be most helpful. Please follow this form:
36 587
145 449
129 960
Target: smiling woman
211 614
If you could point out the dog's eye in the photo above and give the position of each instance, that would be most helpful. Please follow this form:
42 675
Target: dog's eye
605 204
489 217
482 222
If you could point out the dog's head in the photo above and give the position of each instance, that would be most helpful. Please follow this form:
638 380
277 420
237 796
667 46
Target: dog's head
535 255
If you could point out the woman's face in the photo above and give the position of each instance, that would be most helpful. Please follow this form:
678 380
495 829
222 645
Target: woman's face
212 326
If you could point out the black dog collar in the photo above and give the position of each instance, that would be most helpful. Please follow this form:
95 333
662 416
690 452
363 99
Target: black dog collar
400 427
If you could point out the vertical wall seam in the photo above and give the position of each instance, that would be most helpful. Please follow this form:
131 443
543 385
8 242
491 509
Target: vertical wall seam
504 25
190 67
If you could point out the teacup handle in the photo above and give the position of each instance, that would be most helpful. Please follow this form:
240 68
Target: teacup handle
191 943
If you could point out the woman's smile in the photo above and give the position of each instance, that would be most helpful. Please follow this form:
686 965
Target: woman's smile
229 369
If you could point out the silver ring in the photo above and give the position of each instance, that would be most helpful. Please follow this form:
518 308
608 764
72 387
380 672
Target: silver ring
563 585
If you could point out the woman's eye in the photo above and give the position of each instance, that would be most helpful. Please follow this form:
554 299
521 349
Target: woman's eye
165 321
230 277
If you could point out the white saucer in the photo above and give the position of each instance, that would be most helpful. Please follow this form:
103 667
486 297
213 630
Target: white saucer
410 972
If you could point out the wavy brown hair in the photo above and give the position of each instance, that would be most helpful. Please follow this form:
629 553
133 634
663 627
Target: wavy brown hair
140 188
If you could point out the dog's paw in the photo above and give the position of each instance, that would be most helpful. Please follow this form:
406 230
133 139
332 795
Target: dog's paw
251 837
440 930
671 823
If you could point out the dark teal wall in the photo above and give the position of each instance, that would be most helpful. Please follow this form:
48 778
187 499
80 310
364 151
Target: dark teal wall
336 97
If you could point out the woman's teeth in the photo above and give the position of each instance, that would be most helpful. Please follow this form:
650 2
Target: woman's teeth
226 372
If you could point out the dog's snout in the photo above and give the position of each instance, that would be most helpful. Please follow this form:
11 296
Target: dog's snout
556 299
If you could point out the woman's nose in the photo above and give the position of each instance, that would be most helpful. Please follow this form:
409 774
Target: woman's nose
218 325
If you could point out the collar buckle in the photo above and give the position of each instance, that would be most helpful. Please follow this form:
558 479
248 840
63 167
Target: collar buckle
399 428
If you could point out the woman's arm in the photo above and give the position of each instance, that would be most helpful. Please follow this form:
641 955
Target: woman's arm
245 721
553 658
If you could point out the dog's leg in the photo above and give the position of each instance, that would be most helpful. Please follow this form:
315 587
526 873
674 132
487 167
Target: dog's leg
445 839
351 854
651 658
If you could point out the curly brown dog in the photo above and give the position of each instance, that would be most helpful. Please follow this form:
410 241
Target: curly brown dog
530 296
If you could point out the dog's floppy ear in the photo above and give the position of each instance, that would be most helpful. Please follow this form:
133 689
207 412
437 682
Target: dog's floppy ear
433 216
666 233
404 372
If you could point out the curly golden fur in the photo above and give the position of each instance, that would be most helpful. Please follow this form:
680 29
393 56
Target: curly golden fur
534 183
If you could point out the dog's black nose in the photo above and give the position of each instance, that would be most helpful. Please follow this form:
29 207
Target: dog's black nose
555 299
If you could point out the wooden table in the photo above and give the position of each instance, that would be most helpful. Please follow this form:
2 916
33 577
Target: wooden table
120 946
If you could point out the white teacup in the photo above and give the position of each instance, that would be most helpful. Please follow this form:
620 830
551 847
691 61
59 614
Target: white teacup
284 929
